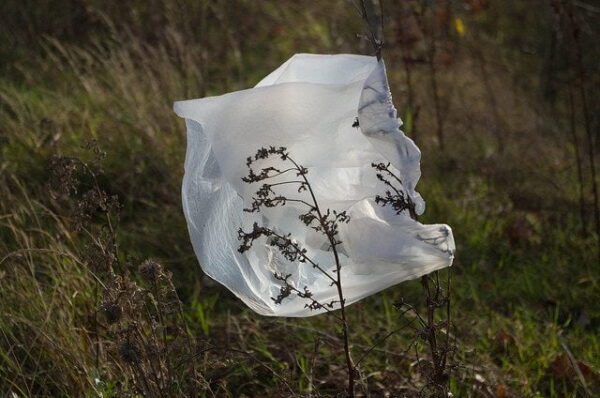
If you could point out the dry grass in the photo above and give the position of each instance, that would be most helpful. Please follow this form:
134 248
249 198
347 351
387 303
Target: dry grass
45 291
525 273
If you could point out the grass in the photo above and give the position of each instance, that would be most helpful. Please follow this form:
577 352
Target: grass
525 278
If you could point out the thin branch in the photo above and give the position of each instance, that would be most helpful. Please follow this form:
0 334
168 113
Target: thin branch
383 339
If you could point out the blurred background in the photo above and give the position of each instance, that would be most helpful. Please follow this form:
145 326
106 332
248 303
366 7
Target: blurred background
501 97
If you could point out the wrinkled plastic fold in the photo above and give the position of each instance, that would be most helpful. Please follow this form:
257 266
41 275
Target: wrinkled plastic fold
308 105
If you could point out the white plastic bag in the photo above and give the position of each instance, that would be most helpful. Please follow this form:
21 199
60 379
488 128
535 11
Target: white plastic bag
308 105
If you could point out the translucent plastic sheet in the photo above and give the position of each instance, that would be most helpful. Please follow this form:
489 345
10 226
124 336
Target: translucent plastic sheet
308 105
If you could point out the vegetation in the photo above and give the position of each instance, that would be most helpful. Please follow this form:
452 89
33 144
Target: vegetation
101 294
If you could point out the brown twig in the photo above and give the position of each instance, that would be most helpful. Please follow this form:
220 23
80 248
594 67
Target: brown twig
375 32
435 298
577 53
578 161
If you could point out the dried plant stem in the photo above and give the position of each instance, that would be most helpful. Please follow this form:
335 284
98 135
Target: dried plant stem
374 27
438 379
346 334
412 107
438 376
433 77
573 132
448 299
387 336
325 222
575 365
96 332
436 93
585 108
338 283
496 128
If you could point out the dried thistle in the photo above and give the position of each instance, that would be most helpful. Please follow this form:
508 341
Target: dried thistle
129 352
112 311
64 177
150 270
145 329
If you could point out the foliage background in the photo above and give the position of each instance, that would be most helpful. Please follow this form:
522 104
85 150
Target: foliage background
526 274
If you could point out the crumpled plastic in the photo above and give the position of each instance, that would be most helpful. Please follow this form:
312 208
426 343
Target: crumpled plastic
309 105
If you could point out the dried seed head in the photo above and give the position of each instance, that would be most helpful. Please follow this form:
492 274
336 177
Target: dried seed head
63 175
150 270
153 350
112 312
129 352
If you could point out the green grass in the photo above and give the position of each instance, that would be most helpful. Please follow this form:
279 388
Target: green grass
524 277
